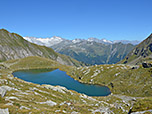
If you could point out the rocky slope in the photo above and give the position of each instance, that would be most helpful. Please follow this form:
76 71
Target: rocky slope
13 46
141 53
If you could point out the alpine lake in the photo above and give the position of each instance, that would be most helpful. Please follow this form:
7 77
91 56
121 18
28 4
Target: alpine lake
57 77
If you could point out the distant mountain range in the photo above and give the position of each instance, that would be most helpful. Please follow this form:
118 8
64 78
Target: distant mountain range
13 46
55 40
90 51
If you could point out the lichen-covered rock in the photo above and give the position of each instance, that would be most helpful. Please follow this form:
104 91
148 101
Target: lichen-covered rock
4 89
55 88
4 111
50 103
12 97
24 107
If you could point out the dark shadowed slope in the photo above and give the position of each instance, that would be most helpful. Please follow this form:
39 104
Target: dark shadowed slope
141 53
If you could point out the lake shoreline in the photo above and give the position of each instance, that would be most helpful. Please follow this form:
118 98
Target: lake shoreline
105 91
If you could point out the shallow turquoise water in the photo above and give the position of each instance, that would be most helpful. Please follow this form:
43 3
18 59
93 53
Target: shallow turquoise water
58 77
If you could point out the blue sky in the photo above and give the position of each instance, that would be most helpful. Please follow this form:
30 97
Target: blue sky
110 19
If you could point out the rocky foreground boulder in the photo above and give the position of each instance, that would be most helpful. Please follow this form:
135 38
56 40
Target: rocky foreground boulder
147 65
4 111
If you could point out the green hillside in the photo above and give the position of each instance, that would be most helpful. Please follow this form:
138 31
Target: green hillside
13 46
129 87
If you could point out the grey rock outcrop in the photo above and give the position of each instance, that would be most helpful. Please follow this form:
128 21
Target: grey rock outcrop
4 111
4 89
50 103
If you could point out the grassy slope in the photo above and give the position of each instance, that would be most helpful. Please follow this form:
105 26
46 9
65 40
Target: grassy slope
13 46
129 82
125 81
29 94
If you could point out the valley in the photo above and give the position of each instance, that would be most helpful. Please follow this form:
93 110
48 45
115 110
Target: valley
90 51
75 57
130 84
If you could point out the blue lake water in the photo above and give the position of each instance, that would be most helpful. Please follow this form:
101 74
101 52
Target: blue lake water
58 77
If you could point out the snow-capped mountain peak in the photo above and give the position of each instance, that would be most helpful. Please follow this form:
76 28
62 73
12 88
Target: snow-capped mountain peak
99 40
49 42
76 40
106 41
45 41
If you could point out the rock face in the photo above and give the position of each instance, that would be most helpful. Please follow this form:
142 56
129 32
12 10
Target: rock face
140 53
2 91
13 46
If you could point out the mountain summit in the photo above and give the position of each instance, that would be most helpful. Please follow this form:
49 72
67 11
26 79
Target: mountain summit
45 41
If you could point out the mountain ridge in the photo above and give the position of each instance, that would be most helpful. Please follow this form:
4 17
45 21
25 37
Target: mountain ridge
14 46
93 52
140 53
44 41
90 51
